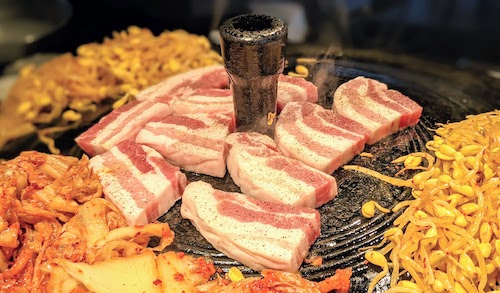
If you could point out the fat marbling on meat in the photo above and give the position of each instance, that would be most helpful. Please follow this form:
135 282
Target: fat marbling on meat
194 142
206 89
259 234
383 111
205 101
185 84
295 89
138 181
318 137
260 170
122 124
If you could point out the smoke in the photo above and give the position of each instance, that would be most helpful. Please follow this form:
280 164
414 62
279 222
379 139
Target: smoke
323 74
332 23
333 35
219 8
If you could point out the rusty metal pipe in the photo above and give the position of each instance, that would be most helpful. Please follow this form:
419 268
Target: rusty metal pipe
253 48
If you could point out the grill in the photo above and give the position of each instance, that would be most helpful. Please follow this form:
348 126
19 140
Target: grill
445 95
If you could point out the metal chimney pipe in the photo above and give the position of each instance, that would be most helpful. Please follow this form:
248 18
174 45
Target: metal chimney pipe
253 49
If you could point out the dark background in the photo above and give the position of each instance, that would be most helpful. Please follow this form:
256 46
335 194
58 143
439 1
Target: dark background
464 33
449 30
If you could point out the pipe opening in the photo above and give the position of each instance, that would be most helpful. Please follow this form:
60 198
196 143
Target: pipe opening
253 23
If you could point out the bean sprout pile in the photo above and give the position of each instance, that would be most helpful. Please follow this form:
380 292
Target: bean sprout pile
448 237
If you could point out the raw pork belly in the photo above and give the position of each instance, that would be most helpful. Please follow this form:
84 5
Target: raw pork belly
260 170
121 124
138 181
259 234
318 137
185 84
216 100
379 109
205 101
194 142
207 90
295 89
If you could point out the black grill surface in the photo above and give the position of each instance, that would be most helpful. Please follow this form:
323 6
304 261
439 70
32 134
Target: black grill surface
445 94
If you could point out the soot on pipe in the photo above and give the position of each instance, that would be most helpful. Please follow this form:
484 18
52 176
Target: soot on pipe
253 49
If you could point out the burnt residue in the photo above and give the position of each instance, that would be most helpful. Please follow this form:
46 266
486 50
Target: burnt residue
253 29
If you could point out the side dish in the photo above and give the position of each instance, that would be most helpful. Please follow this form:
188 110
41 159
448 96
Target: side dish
70 91
57 234
448 238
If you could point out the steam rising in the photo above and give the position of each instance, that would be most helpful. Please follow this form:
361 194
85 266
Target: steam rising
218 12
334 30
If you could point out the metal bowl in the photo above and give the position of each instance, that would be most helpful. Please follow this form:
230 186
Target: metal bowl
25 23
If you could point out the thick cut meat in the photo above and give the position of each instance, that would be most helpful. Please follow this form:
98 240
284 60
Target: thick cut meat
379 109
207 90
260 170
185 84
138 181
194 142
215 100
259 234
205 101
121 124
295 89
318 137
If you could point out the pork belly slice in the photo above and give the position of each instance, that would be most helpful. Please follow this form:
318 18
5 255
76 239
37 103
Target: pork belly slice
121 124
262 171
383 111
261 235
295 89
138 181
318 137
207 90
194 142
185 84
205 101
217 100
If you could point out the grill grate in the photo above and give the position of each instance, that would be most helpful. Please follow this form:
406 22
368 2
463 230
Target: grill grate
344 230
